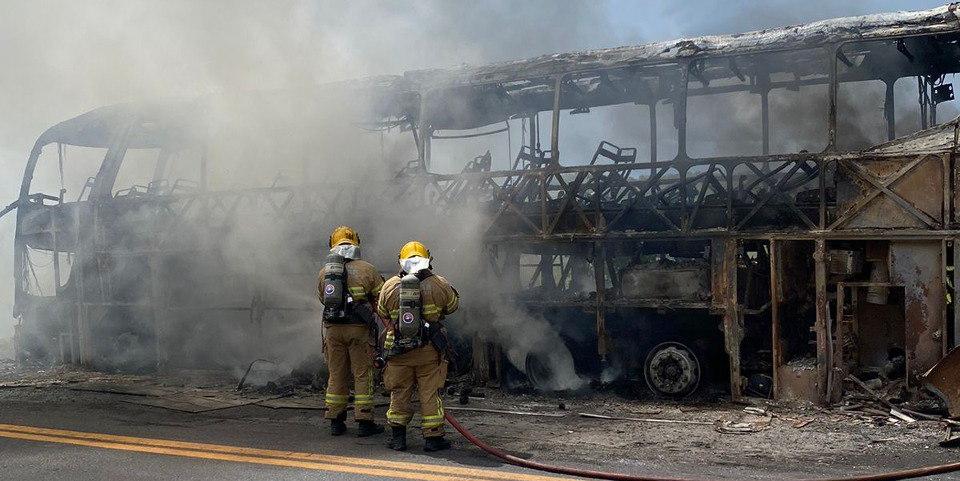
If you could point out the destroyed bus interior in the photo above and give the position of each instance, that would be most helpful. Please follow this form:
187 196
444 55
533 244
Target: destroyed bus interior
756 214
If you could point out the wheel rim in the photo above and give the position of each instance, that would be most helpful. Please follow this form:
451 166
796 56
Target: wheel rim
672 369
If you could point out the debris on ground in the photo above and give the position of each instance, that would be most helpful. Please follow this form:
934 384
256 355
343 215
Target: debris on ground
186 391
943 379
750 420
779 435
951 439
644 420
246 373
802 422
890 402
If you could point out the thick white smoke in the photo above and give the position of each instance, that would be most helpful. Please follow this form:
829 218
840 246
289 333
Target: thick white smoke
63 58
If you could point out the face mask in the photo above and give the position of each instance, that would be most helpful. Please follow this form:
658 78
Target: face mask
415 264
348 251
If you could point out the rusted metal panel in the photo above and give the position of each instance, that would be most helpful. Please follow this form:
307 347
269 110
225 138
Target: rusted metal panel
917 266
944 379
923 187
844 262
955 216
718 276
798 382
883 213
947 197
666 280
954 292
898 192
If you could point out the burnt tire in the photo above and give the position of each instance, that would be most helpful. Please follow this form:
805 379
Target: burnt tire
539 371
672 370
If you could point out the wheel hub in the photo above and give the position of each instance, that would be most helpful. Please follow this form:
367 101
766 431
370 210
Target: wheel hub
672 369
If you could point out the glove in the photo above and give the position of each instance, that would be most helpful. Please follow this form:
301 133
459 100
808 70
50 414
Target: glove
388 340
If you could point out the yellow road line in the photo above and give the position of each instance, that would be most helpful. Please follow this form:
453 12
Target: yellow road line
344 464
227 457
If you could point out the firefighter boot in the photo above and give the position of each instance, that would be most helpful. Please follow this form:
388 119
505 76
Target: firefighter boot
398 439
368 428
435 443
338 426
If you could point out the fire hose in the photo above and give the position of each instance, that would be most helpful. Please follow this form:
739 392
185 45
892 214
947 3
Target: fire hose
583 473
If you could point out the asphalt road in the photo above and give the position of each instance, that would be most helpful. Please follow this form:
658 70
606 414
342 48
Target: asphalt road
58 434
87 436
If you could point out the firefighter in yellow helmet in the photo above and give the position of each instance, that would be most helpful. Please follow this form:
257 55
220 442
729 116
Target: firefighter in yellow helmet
414 302
348 288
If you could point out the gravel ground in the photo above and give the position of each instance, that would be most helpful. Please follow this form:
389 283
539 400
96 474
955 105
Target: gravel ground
823 443
712 439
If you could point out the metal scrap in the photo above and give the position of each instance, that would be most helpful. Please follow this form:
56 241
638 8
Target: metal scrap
247 372
949 440
944 380
645 420
891 413
750 420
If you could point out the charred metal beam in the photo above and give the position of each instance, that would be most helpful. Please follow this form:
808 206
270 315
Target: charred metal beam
832 108
956 293
555 126
732 315
843 58
600 283
652 106
776 343
888 109
736 69
680 111
822 327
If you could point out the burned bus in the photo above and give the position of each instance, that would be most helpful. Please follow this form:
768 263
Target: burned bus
767 211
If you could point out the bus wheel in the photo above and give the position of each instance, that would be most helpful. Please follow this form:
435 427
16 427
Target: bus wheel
672 370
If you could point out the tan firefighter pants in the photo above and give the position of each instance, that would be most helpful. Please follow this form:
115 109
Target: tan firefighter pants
421 368
348 350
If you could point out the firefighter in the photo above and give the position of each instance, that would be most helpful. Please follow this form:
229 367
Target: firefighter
412 304
348 288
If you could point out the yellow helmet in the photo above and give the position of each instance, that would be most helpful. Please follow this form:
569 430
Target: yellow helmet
414 248
344 235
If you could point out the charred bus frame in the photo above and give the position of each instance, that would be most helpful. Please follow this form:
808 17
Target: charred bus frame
891 208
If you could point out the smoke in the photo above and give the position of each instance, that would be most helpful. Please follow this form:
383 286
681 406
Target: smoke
531 343
489 309
64 58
